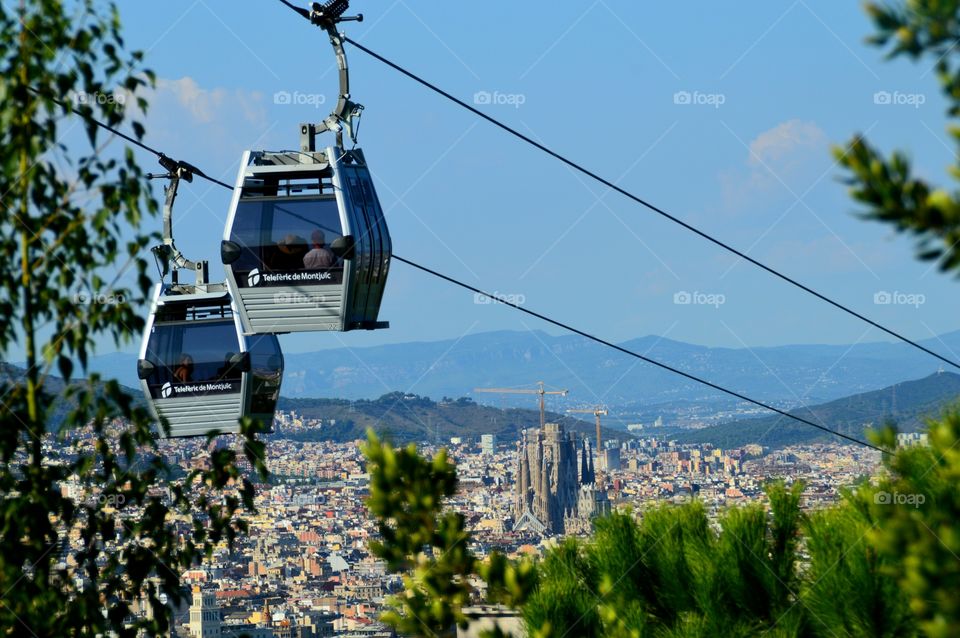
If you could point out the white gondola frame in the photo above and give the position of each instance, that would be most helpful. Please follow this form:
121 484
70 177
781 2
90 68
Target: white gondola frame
312 307
206 412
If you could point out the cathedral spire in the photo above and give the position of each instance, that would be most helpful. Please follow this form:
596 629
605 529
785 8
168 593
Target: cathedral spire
547 476
593 469
587 475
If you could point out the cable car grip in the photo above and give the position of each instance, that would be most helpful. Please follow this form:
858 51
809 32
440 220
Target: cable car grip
167 253
346 114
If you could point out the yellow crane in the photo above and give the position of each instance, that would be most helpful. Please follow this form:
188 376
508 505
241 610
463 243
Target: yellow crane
539 390
597 411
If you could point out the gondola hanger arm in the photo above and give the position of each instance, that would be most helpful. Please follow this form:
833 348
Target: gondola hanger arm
167 252
346 114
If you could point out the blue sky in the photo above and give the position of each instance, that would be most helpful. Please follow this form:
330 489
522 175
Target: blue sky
771 85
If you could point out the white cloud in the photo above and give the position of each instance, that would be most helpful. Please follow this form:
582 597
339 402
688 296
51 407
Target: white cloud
789 155
785 142
209 126
208 105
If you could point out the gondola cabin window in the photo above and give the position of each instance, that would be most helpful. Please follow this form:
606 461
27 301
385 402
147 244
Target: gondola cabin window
266 367
192 353
287 241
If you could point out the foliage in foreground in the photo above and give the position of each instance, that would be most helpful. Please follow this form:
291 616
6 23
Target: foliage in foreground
882 562
69 231
887 187
429 546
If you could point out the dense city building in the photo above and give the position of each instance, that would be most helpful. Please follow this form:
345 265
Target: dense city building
488 444
304 569
205 614
552 497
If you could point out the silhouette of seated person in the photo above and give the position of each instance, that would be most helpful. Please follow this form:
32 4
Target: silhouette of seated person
228 370
319 255
183 372
290 252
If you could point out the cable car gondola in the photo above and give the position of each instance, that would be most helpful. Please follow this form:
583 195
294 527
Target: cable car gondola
306 246
197 369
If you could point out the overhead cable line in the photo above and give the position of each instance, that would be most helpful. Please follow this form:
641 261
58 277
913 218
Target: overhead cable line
529 312
639 200
633 353
165 161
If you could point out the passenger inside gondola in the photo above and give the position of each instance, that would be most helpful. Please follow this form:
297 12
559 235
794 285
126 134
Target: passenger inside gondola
184 370
227 369
192 352
286 236
290 252
319 255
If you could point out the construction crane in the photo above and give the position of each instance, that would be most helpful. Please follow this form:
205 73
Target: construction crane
539 390
597 411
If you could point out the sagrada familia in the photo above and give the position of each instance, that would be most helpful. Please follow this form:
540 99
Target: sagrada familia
551 496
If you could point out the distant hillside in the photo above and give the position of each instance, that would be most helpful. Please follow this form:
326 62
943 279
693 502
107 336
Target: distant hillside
907 404
402 417
588 370
406 417
409 417
56 388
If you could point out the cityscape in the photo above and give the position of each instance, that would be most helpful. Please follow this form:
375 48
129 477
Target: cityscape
305 569
617 320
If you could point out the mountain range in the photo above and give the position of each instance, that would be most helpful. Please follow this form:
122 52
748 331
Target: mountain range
407 417
788 376
403 416
908 405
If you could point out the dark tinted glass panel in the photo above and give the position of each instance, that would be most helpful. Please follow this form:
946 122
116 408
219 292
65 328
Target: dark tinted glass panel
288 236
266 363
193 352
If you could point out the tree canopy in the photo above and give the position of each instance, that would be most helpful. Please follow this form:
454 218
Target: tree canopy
87 536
